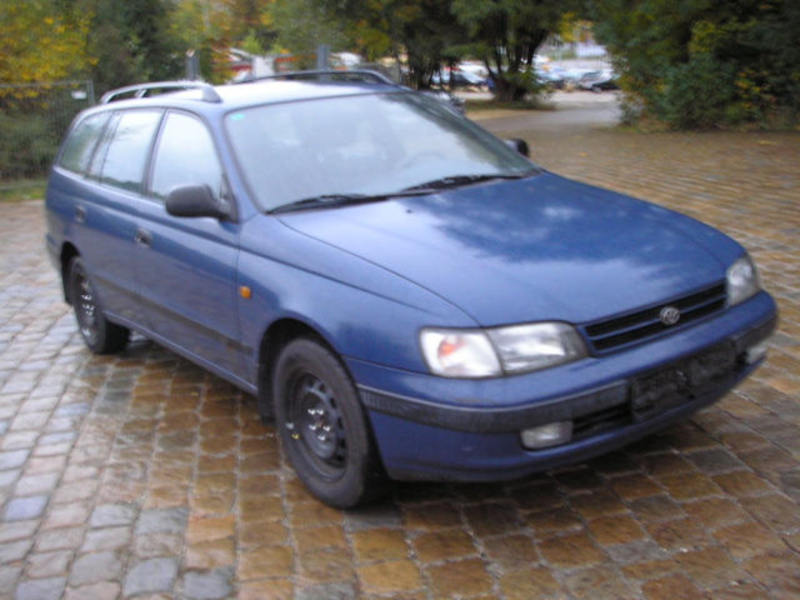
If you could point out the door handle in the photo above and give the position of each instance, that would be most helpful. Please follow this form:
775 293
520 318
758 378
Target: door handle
80 214
143 237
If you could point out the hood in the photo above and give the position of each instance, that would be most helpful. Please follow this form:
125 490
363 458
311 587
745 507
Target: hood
542 248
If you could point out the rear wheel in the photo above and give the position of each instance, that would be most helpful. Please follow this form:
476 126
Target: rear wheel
323 426
99 334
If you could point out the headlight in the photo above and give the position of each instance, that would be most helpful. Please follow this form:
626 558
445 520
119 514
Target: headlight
490 353
742 281
459 353
532 347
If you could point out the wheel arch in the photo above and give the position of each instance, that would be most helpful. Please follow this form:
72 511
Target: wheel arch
275 338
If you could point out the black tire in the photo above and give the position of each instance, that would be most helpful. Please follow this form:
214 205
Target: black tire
323 426
264 405
98 333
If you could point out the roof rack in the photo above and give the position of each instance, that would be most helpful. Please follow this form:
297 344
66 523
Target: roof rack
209 94
362 75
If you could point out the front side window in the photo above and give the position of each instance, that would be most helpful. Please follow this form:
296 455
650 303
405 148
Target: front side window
82 141
185 156
126 157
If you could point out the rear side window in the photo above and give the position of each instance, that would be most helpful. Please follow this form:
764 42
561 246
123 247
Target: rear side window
82 141
127 153
185 156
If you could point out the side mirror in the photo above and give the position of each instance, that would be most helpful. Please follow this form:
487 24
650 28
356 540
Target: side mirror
194 201
520 146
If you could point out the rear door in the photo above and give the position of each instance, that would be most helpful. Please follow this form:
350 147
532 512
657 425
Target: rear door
106 208
187 266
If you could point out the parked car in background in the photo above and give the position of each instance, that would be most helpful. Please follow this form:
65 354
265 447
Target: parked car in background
553 78
598 81
585 81
604 85
458 79
404 293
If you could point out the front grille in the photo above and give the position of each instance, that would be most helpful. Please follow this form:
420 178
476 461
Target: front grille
643 324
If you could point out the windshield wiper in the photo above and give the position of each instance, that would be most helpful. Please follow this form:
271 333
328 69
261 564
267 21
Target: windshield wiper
452 181
336 200
322 200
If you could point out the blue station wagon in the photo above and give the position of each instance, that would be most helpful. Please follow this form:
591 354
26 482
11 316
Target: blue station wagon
406 295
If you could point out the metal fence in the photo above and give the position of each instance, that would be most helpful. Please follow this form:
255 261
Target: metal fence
33 120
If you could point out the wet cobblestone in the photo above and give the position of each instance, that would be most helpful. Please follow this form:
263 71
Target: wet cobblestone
142 476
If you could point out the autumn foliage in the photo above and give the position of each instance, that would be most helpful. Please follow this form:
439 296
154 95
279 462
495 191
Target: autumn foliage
706 63
38 43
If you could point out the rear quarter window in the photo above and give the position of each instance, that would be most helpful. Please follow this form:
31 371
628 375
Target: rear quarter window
80 145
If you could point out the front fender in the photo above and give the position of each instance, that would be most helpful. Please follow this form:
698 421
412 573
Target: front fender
362 310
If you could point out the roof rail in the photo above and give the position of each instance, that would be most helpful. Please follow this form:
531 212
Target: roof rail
362 75
141 90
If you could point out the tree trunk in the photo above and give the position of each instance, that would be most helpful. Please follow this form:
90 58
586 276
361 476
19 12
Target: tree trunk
508 91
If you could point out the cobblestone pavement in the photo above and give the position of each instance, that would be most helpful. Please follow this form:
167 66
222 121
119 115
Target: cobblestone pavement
141 476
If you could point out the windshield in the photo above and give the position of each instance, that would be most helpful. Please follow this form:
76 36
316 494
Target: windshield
369 145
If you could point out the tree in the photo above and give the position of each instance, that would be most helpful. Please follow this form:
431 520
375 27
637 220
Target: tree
210 28
705 63
203 26
130 41
251 19
39 42
424 31
506 34
431 36
428 34
303 25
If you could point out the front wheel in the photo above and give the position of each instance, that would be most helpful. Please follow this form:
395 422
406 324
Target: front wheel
323 426
100 335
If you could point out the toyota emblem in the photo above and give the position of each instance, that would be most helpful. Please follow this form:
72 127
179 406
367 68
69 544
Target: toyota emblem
669 315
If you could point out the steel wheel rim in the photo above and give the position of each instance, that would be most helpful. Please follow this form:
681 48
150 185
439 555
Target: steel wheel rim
317 424
87 309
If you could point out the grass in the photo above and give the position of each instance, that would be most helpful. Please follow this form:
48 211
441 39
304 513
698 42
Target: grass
22 190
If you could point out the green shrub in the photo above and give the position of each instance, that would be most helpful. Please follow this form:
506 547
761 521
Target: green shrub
698 94
28 146
702 64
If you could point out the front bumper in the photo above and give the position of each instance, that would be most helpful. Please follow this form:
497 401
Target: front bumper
458 430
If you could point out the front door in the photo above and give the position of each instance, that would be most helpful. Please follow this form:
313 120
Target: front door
187 266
